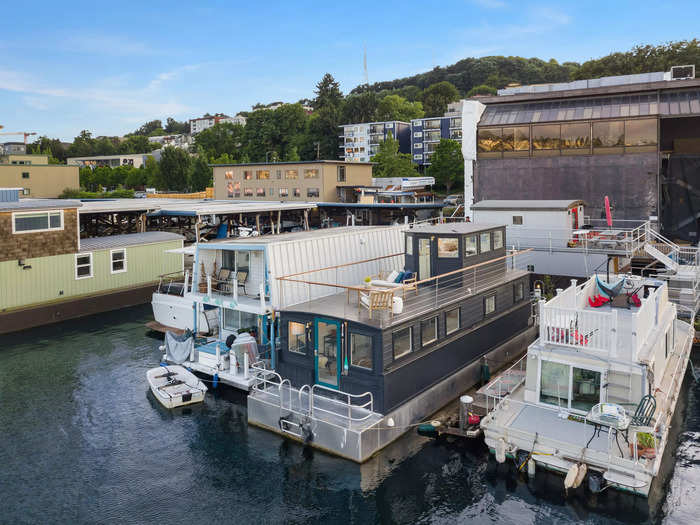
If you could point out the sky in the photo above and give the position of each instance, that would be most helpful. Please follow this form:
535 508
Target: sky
108 67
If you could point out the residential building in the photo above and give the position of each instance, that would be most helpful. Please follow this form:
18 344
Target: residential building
427 132
207 121
360 142
181 140
8 148
312 181
111 161
36 177
48 273
634 139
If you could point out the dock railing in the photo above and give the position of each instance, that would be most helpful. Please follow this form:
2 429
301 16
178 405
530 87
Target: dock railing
505 383
174 283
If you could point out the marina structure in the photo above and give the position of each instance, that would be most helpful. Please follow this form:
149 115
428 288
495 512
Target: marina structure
595 394
48 273
360 362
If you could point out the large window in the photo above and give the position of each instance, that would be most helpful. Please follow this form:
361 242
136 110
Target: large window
640 132
433 135
118 260
498 239
284 192
403 342
568 386
608 134
448 247
431 124
489 140
429 331
312 192
37 221
470 247
361 351
311 173
485 241
297 338
341 173
234 320
83 265
554 384
585 389
546 137
452 320
262 174
576 136
489 304
291 174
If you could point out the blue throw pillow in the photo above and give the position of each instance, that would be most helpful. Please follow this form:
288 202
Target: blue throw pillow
399 278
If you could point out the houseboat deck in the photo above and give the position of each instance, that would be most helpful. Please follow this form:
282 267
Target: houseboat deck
427 297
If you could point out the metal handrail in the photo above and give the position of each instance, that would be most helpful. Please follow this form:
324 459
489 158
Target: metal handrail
349 396
499 380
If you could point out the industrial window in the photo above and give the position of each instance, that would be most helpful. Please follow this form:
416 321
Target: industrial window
291 174
489 304
519 292
312 192
517 219
296 342
489 140
38 221
297 192
284 192
311 173
403 342
341 171
448 247
260 192
262 174
83 265
497 239
470 247
452 320
485 241
25 174
640 132
248 192
576 136
546 137
361 351
428 331
247 175
608 134
118 259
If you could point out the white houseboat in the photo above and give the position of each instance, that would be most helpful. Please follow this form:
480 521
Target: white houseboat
599 389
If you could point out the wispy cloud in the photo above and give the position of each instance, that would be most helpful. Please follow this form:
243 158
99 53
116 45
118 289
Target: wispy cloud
36 103
489 4
170 75
112 45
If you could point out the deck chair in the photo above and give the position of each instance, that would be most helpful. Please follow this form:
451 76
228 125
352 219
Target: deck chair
223 283
377 300
645 411
241 278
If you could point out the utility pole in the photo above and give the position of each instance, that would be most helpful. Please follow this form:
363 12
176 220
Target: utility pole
318 149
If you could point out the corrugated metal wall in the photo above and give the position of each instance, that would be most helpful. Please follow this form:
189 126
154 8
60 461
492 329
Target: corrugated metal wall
53 278
299 256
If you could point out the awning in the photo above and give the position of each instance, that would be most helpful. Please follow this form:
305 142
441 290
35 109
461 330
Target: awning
189 250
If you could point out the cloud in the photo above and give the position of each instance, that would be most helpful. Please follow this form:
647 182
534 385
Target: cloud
113 45
36 103
170 75
490 4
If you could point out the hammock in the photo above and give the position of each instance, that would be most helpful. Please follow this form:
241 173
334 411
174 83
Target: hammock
610 290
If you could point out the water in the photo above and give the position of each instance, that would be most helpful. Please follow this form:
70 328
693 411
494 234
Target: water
83 441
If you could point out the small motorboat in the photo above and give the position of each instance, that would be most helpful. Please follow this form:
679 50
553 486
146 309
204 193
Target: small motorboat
175 386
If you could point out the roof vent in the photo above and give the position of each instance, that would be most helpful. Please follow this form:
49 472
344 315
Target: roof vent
682 72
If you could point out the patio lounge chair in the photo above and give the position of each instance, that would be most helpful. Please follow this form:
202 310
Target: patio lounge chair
241 278
645 411
377 300
223 280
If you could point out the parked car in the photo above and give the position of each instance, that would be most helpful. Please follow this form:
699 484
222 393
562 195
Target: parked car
453 200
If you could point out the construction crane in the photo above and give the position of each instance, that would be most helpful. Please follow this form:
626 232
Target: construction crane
25 133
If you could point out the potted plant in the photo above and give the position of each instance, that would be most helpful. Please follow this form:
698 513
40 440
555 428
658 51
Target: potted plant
646 444
367 281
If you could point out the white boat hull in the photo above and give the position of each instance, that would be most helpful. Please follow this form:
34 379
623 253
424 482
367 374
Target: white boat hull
174 386
175 311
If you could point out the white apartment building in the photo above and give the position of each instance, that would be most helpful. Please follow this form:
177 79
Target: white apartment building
207 121
360 142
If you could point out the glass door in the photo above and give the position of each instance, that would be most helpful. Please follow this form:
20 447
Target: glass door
569 387
423 259
327 351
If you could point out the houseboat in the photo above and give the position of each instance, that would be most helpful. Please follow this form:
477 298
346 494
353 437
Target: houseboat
235 287
49 274
370 357
600 386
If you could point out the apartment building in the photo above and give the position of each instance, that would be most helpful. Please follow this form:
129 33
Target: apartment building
207 121
7 148
360 142
427 132
112 161
35 176
310 181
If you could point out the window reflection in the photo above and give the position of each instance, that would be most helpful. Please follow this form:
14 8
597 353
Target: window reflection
489 140
608 134
640 132
575 136
545 137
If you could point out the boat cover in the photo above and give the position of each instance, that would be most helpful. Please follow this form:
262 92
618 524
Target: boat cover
178 348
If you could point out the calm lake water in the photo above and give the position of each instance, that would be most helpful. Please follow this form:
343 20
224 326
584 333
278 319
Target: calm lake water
83 441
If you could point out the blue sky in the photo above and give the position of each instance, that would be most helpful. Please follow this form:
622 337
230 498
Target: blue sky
110 66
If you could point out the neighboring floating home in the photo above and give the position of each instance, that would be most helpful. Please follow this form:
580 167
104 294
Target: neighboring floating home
361 363
599 387
49 274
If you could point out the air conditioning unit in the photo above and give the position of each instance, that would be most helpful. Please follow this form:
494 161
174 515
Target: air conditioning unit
682 72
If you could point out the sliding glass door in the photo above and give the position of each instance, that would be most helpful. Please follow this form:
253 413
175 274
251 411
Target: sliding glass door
568 386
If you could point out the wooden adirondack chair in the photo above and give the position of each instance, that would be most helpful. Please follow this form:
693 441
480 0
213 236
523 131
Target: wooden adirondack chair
377 300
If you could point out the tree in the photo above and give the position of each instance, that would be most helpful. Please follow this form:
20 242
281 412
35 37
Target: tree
83 145
394 107
360 108
201 175
173 127
391 163
437 96
327 93
174 169
482 89
151 170
148 128
222 138
447 164
46 146
137 144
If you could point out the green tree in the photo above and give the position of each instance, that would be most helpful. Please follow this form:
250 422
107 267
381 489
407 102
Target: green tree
83 145
137 144
201 175
292 155
437 96
148 128
322 141
151 170
482 89
136 178
173 127
391 163
327 93
360 108
174 169
394 107
46 146
447 164
221 138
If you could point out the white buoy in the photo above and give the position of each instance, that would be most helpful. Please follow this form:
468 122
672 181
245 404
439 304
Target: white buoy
582 469
571 476
531 467
501 451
